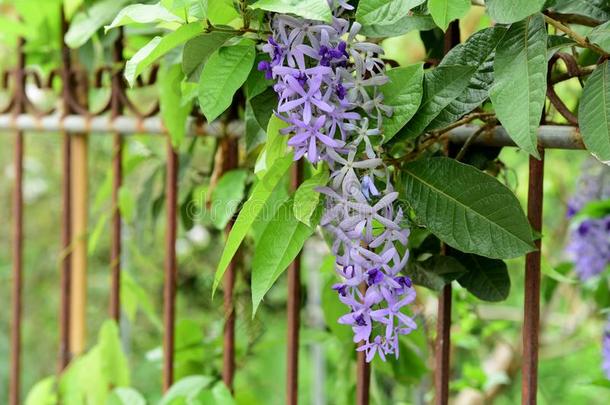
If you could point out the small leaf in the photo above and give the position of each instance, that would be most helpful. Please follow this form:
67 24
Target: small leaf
403 93
263 105
250 211
466 208
311 9
198 50
435 272
218 395
142 14
86 23
188 388
276 145
374 12
127 203
44 392
277 247
173 112
600 35
125 396
113 361
594 113
557 42
487 279
506 12
221 11
442 86
445 11
227 196
306 198
519 91
223 74
157 47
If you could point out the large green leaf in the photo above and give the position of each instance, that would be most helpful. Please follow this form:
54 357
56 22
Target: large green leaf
519 91
277 247
221 11
478 51
250 211
307 198
223 74
312 9
226 197
198 50
143 14
403 93
487 279
506 12
400 27
466 208
597 9
445 11
86 23
374 12
442 86
173 111
594 113
113 361
435 272
157 47
187 389
600 35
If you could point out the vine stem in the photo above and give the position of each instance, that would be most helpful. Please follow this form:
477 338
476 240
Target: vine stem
579 39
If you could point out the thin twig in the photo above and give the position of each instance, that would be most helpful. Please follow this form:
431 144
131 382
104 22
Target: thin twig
573 19
579 39
466 120
473 138
583 71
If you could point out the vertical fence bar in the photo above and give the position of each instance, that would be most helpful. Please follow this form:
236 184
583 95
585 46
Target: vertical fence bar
117 180
17 286
293 309
531 319
169 288
66 222
230 156
443 323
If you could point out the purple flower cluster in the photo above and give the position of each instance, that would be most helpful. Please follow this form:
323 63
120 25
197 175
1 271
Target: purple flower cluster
606 351
589 242
327 83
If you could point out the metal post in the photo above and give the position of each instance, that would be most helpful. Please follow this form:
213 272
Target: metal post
169 288
531 319
17 286
229 158
293 309
443 323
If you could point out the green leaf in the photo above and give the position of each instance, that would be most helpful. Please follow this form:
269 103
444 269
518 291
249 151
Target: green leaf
157 47
86 23
306 198
223 74
187 388
198 50
466 208
435 272
134 297
44 392
442 86
403 93
250 211
125 396
445 11
506 12
311 9
556 42
127 203
597 9
173 111
222 11
374 12
594 113
218 395
226 197
263 105
405 24
276 145
277 247
600 35
487 279
478 51
142 14
519 91
113 361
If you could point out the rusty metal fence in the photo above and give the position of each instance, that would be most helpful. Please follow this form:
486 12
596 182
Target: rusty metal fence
120 117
